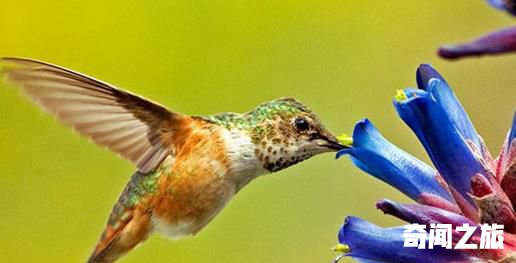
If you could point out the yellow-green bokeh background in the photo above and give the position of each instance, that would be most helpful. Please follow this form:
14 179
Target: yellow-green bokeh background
342 58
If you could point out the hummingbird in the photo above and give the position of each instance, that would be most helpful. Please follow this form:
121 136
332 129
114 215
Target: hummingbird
187 167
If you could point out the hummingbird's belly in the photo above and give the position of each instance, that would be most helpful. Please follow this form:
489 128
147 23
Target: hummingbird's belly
173 230
188 203
177 219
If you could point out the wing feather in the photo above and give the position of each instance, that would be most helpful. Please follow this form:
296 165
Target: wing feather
125 123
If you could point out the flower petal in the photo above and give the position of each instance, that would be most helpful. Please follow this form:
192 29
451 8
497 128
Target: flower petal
370 242
430 80
372 153
450 153
499 42
422 214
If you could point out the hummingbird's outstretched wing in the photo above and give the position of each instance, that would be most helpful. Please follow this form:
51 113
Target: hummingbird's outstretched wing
123 122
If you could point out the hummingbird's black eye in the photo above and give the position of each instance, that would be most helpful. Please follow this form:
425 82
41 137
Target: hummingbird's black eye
301 124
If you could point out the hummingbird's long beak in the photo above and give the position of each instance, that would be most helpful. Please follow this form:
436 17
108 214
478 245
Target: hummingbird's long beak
330 142
335 145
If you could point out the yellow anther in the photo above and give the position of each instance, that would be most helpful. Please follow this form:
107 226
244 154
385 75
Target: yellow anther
341 249
345 140
400 96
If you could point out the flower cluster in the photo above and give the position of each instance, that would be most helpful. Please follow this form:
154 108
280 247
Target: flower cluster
498 42
467 185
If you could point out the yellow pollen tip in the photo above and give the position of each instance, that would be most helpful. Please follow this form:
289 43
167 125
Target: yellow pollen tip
341 249
400 96
345 140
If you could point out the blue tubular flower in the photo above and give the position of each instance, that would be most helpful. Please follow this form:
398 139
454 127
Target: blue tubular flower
478 190
370 243
422 214
429 80
503 41
499 42
445 144
372 153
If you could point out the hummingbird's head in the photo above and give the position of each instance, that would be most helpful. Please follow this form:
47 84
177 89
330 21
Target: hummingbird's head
286 132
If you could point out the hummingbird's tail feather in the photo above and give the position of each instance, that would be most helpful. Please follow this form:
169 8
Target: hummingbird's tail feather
115 242
129 223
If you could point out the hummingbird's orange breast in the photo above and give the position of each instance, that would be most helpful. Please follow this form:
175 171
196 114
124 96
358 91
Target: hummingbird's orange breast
195 187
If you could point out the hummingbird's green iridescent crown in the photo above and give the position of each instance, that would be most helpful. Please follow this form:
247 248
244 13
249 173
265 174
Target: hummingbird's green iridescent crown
265 111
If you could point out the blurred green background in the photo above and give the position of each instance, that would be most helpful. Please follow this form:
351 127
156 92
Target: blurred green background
344 59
